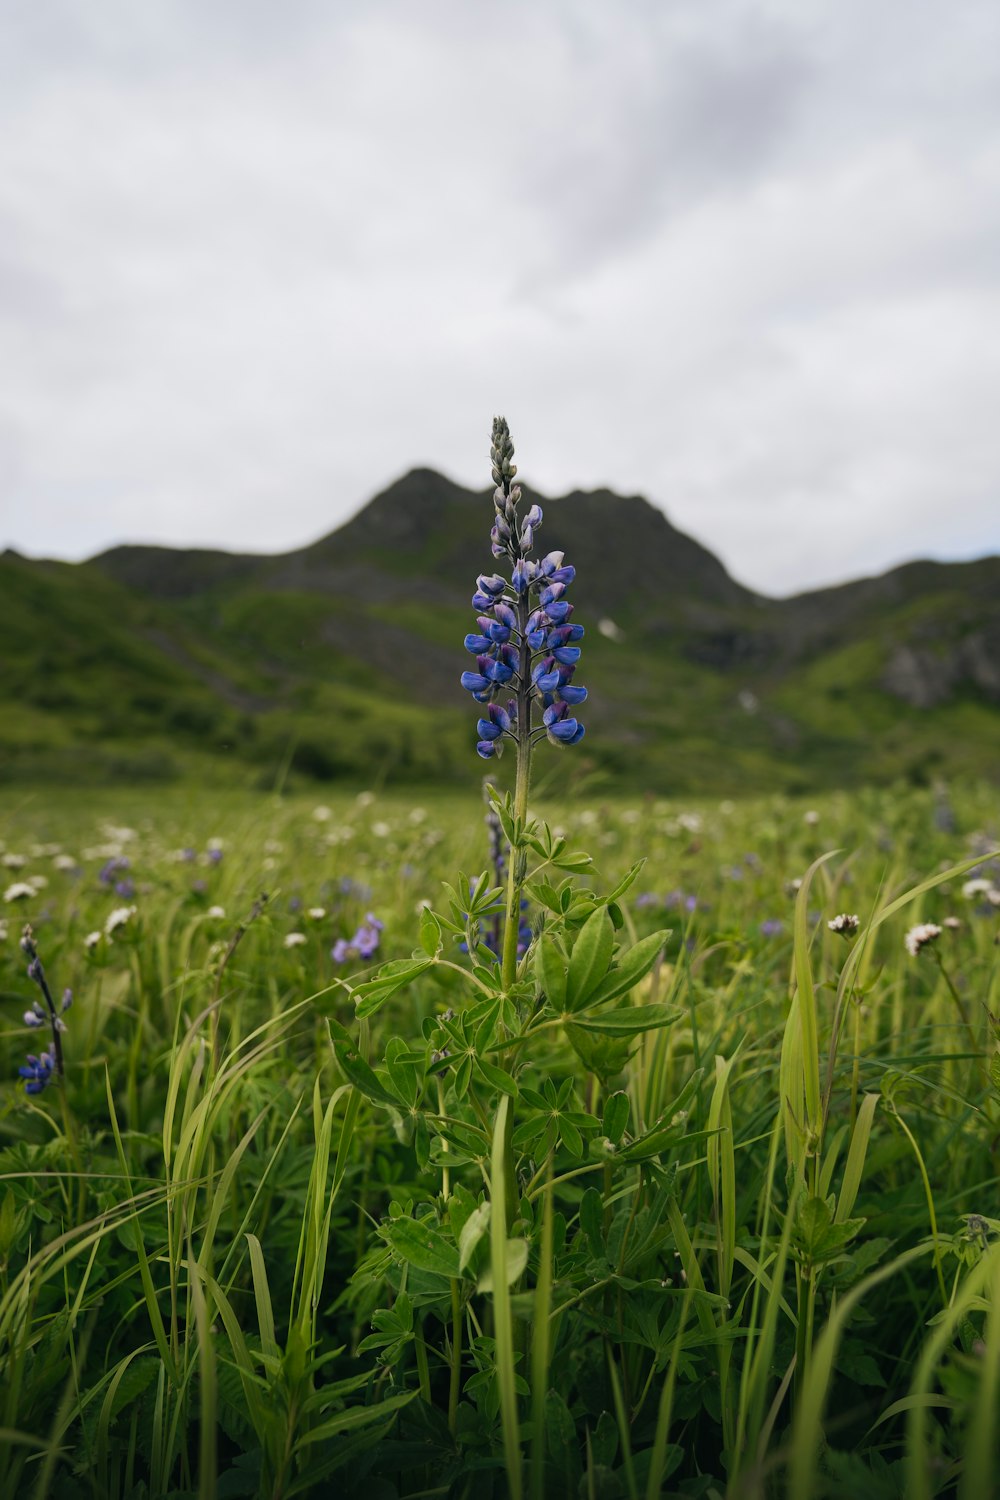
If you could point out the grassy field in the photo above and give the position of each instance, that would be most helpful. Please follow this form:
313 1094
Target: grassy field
704 1202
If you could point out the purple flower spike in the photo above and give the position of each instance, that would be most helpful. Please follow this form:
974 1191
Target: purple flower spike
522 640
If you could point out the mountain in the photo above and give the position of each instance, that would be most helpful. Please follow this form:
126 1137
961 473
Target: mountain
342 658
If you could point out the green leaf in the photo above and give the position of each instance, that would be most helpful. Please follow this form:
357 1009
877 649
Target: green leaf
372 995
616 1112
551 970
632 966
420 1243
430 932
496 1077
589 960
812 1220
473 1230
360 1074
629 1020
573 862
627 881
592 1220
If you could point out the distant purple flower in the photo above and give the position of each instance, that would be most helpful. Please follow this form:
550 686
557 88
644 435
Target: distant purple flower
364 944
771 927
125 889
111 869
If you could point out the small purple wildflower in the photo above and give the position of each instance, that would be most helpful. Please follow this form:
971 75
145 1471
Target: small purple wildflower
111 869
771 927
364 944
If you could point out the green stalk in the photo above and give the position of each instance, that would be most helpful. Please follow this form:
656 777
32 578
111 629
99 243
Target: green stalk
455 1380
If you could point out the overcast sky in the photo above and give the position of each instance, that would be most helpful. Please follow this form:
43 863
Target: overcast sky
258 259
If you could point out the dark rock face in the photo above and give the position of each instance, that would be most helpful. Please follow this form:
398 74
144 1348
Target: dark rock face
925 678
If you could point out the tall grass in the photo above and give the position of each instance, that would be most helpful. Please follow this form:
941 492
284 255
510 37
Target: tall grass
730 1230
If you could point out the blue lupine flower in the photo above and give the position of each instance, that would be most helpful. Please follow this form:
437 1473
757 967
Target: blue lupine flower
37 1072
524 641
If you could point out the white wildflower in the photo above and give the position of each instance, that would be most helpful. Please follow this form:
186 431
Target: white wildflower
216 913
3 932
845 924
973 888
690 822
365 799
417 815
118 835
952 923
322 814
316 913
918 937
64 862
120 917
381 830
38 882
91 941
294 939
19 891
811 818
14 861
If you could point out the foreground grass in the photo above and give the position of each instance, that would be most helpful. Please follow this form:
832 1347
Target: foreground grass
258 1246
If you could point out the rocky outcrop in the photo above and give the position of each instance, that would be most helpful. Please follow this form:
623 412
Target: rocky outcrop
924 678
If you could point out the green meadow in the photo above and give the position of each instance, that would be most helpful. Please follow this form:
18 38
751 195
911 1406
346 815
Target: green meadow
702 1202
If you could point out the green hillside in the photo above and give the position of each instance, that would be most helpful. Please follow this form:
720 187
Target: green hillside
341 660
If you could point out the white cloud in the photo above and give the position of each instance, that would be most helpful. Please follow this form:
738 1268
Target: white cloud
255 262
